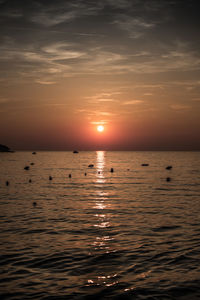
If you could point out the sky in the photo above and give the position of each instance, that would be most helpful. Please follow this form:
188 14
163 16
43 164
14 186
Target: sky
67 66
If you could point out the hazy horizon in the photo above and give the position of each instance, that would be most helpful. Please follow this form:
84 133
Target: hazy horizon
103 150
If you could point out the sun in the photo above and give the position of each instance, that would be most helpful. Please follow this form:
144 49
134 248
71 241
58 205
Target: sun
100 128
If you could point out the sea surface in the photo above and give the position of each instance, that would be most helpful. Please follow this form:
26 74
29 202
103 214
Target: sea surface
127 234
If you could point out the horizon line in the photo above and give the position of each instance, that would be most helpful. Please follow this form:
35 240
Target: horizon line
106 150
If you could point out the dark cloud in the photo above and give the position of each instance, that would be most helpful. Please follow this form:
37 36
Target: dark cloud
52 38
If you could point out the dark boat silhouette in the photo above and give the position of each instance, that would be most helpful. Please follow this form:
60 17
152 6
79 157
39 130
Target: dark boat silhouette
4 148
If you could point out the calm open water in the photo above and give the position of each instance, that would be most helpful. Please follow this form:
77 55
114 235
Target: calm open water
124 235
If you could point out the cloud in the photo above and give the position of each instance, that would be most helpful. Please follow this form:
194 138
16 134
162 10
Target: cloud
185 60
50 19
102 122
135 27
180 59
64 12
148 94
119 3
64 39
70 59
106 113
45 82
98 113
103 97
101 100
132 102
180 107
61 51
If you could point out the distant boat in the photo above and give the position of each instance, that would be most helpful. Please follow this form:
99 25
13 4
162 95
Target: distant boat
144 165
4 148
75 151
34 152
90 166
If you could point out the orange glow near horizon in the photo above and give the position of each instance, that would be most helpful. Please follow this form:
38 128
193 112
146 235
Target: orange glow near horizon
100 128
108 84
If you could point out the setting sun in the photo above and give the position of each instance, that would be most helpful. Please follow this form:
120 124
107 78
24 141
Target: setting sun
100 128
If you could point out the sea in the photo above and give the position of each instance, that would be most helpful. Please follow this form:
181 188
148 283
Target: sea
132 232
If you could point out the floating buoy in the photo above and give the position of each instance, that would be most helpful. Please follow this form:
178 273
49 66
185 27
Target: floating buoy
75 151
99 172
168 167
85 174
91 166
50 177
144 165
32 164
70 175
26 168
111 170
34 152
7 183
34 204
30 180
168 179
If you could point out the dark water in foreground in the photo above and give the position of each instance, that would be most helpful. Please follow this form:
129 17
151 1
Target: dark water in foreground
124 235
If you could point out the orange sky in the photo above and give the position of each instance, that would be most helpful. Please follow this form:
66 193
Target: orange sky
66 68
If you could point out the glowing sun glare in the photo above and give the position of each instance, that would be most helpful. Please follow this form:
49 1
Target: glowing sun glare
100 128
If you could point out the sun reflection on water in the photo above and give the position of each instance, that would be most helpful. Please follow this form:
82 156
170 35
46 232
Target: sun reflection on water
100 163
101 196
103 246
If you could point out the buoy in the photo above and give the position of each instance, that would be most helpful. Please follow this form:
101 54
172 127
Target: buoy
111 170
34 204
26 168
31 164
168 167
144 165
70 175
75 151
99 172
34 152
85 174
7 183
50 177
91 166
30 180
168 179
